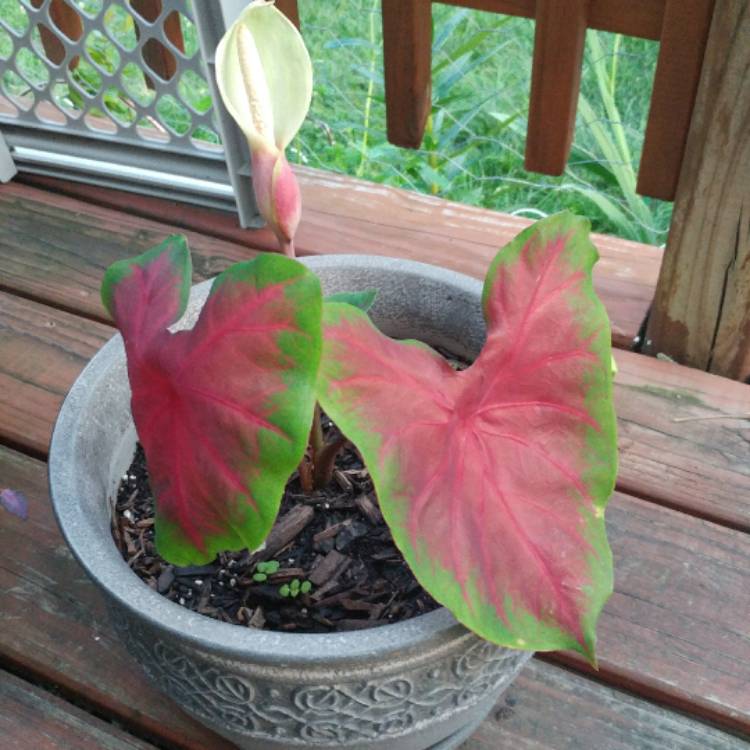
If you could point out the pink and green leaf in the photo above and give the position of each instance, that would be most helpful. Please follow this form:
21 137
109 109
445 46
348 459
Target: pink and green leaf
146 294
223 411
494 479
363 300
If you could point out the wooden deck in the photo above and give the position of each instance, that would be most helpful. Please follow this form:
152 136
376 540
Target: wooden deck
675 637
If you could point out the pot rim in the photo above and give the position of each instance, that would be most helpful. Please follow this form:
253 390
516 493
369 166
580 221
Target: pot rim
105 566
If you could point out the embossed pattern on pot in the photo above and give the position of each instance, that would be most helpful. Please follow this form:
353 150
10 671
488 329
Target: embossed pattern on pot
226 694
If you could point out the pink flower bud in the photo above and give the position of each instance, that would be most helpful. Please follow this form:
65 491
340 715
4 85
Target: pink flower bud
277 194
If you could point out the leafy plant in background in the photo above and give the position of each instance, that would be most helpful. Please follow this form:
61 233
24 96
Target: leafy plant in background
501 518
449 158
632 216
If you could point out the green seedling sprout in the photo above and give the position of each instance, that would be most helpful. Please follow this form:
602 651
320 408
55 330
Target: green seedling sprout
264 569
295 588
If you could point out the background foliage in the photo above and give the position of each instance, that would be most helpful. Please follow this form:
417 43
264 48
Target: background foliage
473 148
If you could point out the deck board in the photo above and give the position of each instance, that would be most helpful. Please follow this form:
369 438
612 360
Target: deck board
684 438
699 466
53 624
548 708
673 638
671 571
33 719
676 628
55 251
340 215
42 351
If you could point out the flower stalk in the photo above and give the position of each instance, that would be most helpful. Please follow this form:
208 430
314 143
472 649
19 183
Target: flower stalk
261 51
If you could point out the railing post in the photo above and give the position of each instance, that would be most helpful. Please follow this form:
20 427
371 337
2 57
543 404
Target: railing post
290 10
555 83
407 55
683 43
701 312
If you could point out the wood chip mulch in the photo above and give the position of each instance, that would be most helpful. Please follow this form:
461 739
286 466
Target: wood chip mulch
330 562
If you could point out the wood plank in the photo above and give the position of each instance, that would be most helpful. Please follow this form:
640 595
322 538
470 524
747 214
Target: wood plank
701 313
340 215
641 18
53 625
548 708
407 61
699 466
42 351
676 627
57 252
33 718
559 37
678 70
684 437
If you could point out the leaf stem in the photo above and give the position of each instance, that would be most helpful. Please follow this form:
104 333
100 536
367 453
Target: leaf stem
317 441
287 248
325 462
322 456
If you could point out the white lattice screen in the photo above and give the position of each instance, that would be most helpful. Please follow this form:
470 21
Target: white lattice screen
122 94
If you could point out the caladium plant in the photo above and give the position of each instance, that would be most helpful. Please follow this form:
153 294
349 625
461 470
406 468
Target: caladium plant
223 411
493 480
264 76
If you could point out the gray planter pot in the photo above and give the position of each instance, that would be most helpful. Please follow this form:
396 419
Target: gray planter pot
423 683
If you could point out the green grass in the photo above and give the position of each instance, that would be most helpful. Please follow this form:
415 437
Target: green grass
474 142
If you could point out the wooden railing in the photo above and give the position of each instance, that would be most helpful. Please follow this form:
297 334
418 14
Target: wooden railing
681 26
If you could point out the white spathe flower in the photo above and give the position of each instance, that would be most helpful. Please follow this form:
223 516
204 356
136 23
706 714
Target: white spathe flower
264 75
